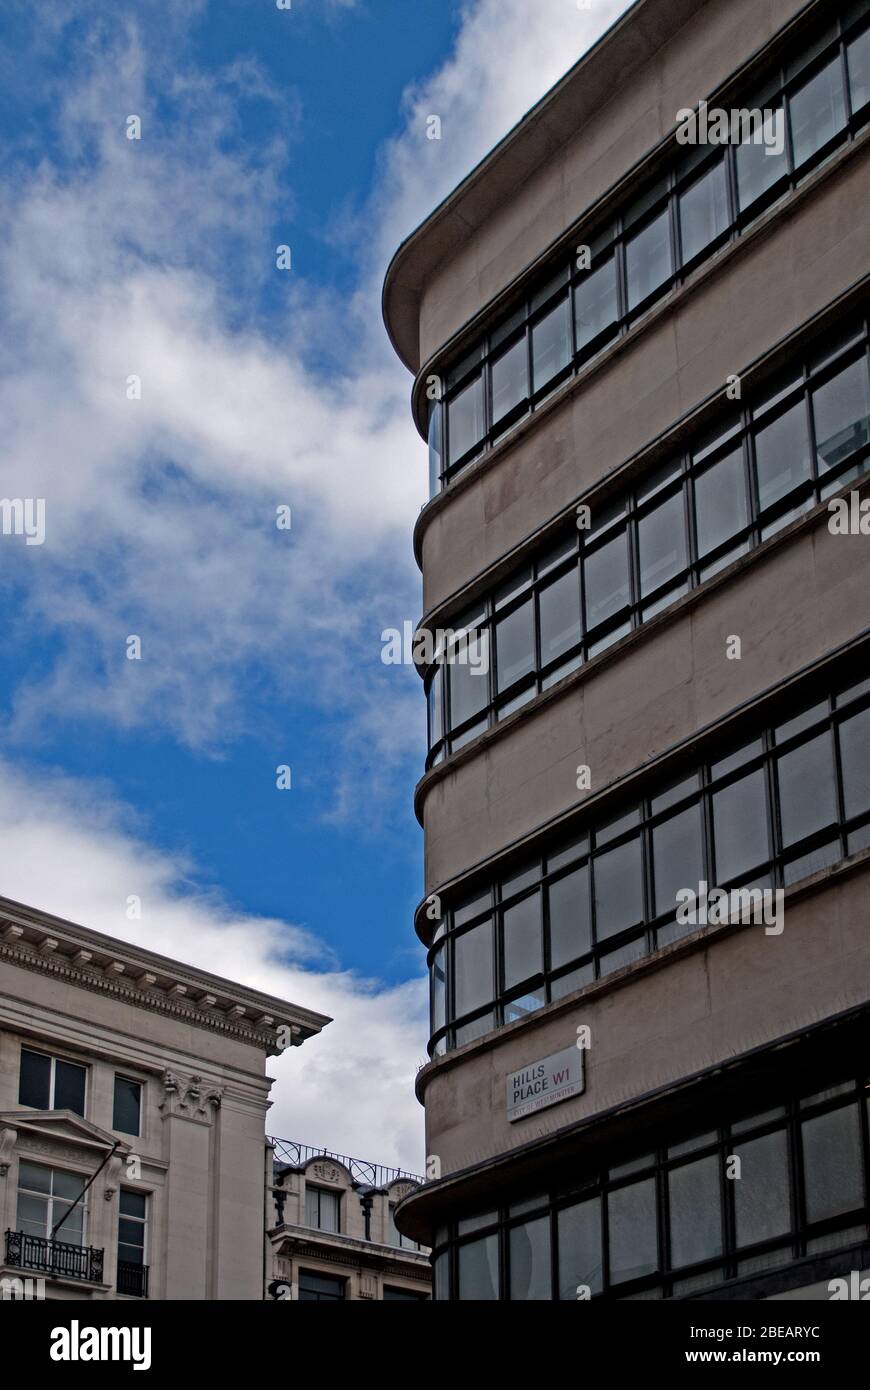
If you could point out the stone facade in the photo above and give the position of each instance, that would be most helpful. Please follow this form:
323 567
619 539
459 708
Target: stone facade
95 1033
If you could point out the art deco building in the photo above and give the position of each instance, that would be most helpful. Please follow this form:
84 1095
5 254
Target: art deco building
642 367
132 1118
331 1236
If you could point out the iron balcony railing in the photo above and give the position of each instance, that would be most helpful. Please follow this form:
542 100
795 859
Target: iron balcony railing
132 1279
369 1174
54 1257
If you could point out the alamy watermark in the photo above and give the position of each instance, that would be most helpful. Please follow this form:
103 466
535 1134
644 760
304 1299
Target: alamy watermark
713 125
713 906
23 516
443 647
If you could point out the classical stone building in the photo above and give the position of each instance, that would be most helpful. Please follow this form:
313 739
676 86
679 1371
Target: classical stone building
330 1229
641 356
132 1117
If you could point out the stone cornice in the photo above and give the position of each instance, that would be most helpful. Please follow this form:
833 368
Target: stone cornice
105 965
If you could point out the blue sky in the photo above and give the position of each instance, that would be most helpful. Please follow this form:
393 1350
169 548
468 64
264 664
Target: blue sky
259 388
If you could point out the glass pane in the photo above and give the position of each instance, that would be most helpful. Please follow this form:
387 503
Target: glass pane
469 1032
68 1185
858 58
678 858
807 799
696 1213
740 826
478 1270
522 941
437 988
472 968
435 707
32 1216
560 615
131 1234
551 344
128 1099
34 1081
618 889
530 1261
515 644
648 259
662 541
855 755
782 456
817 111
758 163
133 1204
579 1234
469 686
720 502
527 1004
465 418
435 454
841 411
595 304
631 1215
329 1211
33 1177
703 211
625 955
762 1193
509 380
471 907
833 1165
606 578
570 927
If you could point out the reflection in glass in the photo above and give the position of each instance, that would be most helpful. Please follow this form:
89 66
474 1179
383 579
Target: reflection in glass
559 604
570 927
515 645
595 303
472 968
632 1224
648 259
762 1197
618 889
720 502
841 411
530 1261
509 380
695 1210
522 940
833 1165
703 211
551 344
807 796
478 1270
579 1235
662 543
855 754
466 419
817 111
605 575
782 456
740 826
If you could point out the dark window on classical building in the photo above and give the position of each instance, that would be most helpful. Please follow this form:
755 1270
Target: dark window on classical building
320 1288
127 1106
50 1083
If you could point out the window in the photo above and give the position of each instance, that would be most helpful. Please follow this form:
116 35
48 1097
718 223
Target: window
817 111
704 211
50 1083
47 1197
660 233
132 1228
396 1237
648 260
320 1288
530 1261
322 1208
668 1220
127 1109
595 303
783 804
403 1296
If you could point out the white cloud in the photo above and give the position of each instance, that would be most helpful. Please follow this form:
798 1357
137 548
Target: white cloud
153 257
68 847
